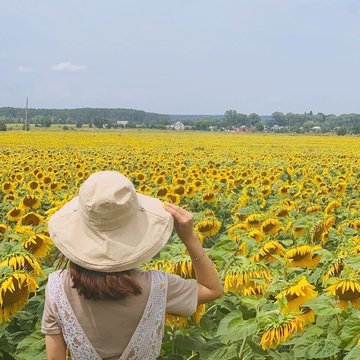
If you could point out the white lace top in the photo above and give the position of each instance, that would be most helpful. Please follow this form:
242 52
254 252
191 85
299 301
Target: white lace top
146 341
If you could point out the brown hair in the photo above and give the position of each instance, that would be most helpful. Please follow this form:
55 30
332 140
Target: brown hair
95 285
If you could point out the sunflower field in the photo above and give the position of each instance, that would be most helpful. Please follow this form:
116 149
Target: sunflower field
278 214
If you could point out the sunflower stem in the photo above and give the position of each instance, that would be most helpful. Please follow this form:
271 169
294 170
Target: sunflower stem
193 355
242 348
173 339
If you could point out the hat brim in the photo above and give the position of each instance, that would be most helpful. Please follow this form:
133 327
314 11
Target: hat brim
124 248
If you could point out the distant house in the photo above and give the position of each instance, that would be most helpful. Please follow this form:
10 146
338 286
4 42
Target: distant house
276 128
316 129
178 126
241 128
122 123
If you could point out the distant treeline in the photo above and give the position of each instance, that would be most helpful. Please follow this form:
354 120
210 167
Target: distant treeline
280 122
110 118
91 116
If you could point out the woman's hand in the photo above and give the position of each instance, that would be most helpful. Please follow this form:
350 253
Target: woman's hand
183 223
209 285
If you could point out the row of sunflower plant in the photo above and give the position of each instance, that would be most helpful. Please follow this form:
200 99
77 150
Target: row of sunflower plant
279 216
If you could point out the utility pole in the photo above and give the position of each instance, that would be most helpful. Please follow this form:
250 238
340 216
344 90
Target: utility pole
26 113
289 125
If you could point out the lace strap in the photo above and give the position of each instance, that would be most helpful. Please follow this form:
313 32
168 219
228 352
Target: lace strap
147 338
77 342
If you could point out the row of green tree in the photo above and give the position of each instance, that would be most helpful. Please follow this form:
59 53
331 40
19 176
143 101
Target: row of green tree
100 118
91 116
280 122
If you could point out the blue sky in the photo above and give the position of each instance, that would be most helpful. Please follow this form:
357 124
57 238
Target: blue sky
182 56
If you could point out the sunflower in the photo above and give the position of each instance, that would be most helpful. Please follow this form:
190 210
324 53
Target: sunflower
355 224
31 219
80 175
190 191
236 231
247 280
256 235
334 270
176 321
162 192
197 183
157 264
303 256
30 202
159 180
15 287
209 197
183 267
3 228
307 314
19 177
284 190
254 221
317 231
199 313
8 187
270 226
14 214
242 249
265 191
47 180
267 250
312 209
341 187
332 206
330 221
179 181
295 295
173 198
281 330
16 257
346 290
140 177
55 186
10 197
37 244
209 212
33 186
298 230
208 227
179 189
239 213
282 211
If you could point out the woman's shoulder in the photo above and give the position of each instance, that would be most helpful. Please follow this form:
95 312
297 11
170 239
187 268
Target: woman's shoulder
54 276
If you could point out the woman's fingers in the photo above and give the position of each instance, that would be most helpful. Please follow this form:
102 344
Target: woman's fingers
178 212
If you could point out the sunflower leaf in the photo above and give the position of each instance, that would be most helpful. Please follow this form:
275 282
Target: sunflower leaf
224 353
349 333
323 348
323 305
32 347
354 262
354 354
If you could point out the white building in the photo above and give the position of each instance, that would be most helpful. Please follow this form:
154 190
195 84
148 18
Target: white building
122 123
178 126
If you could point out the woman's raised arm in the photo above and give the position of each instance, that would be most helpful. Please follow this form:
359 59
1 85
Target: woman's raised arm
209 285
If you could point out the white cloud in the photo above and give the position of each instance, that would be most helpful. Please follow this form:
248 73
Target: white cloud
68 66
26 69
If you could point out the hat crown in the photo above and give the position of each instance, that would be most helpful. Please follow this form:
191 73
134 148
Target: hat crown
106 199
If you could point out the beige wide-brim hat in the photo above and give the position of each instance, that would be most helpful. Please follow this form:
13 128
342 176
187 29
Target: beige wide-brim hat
109 227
